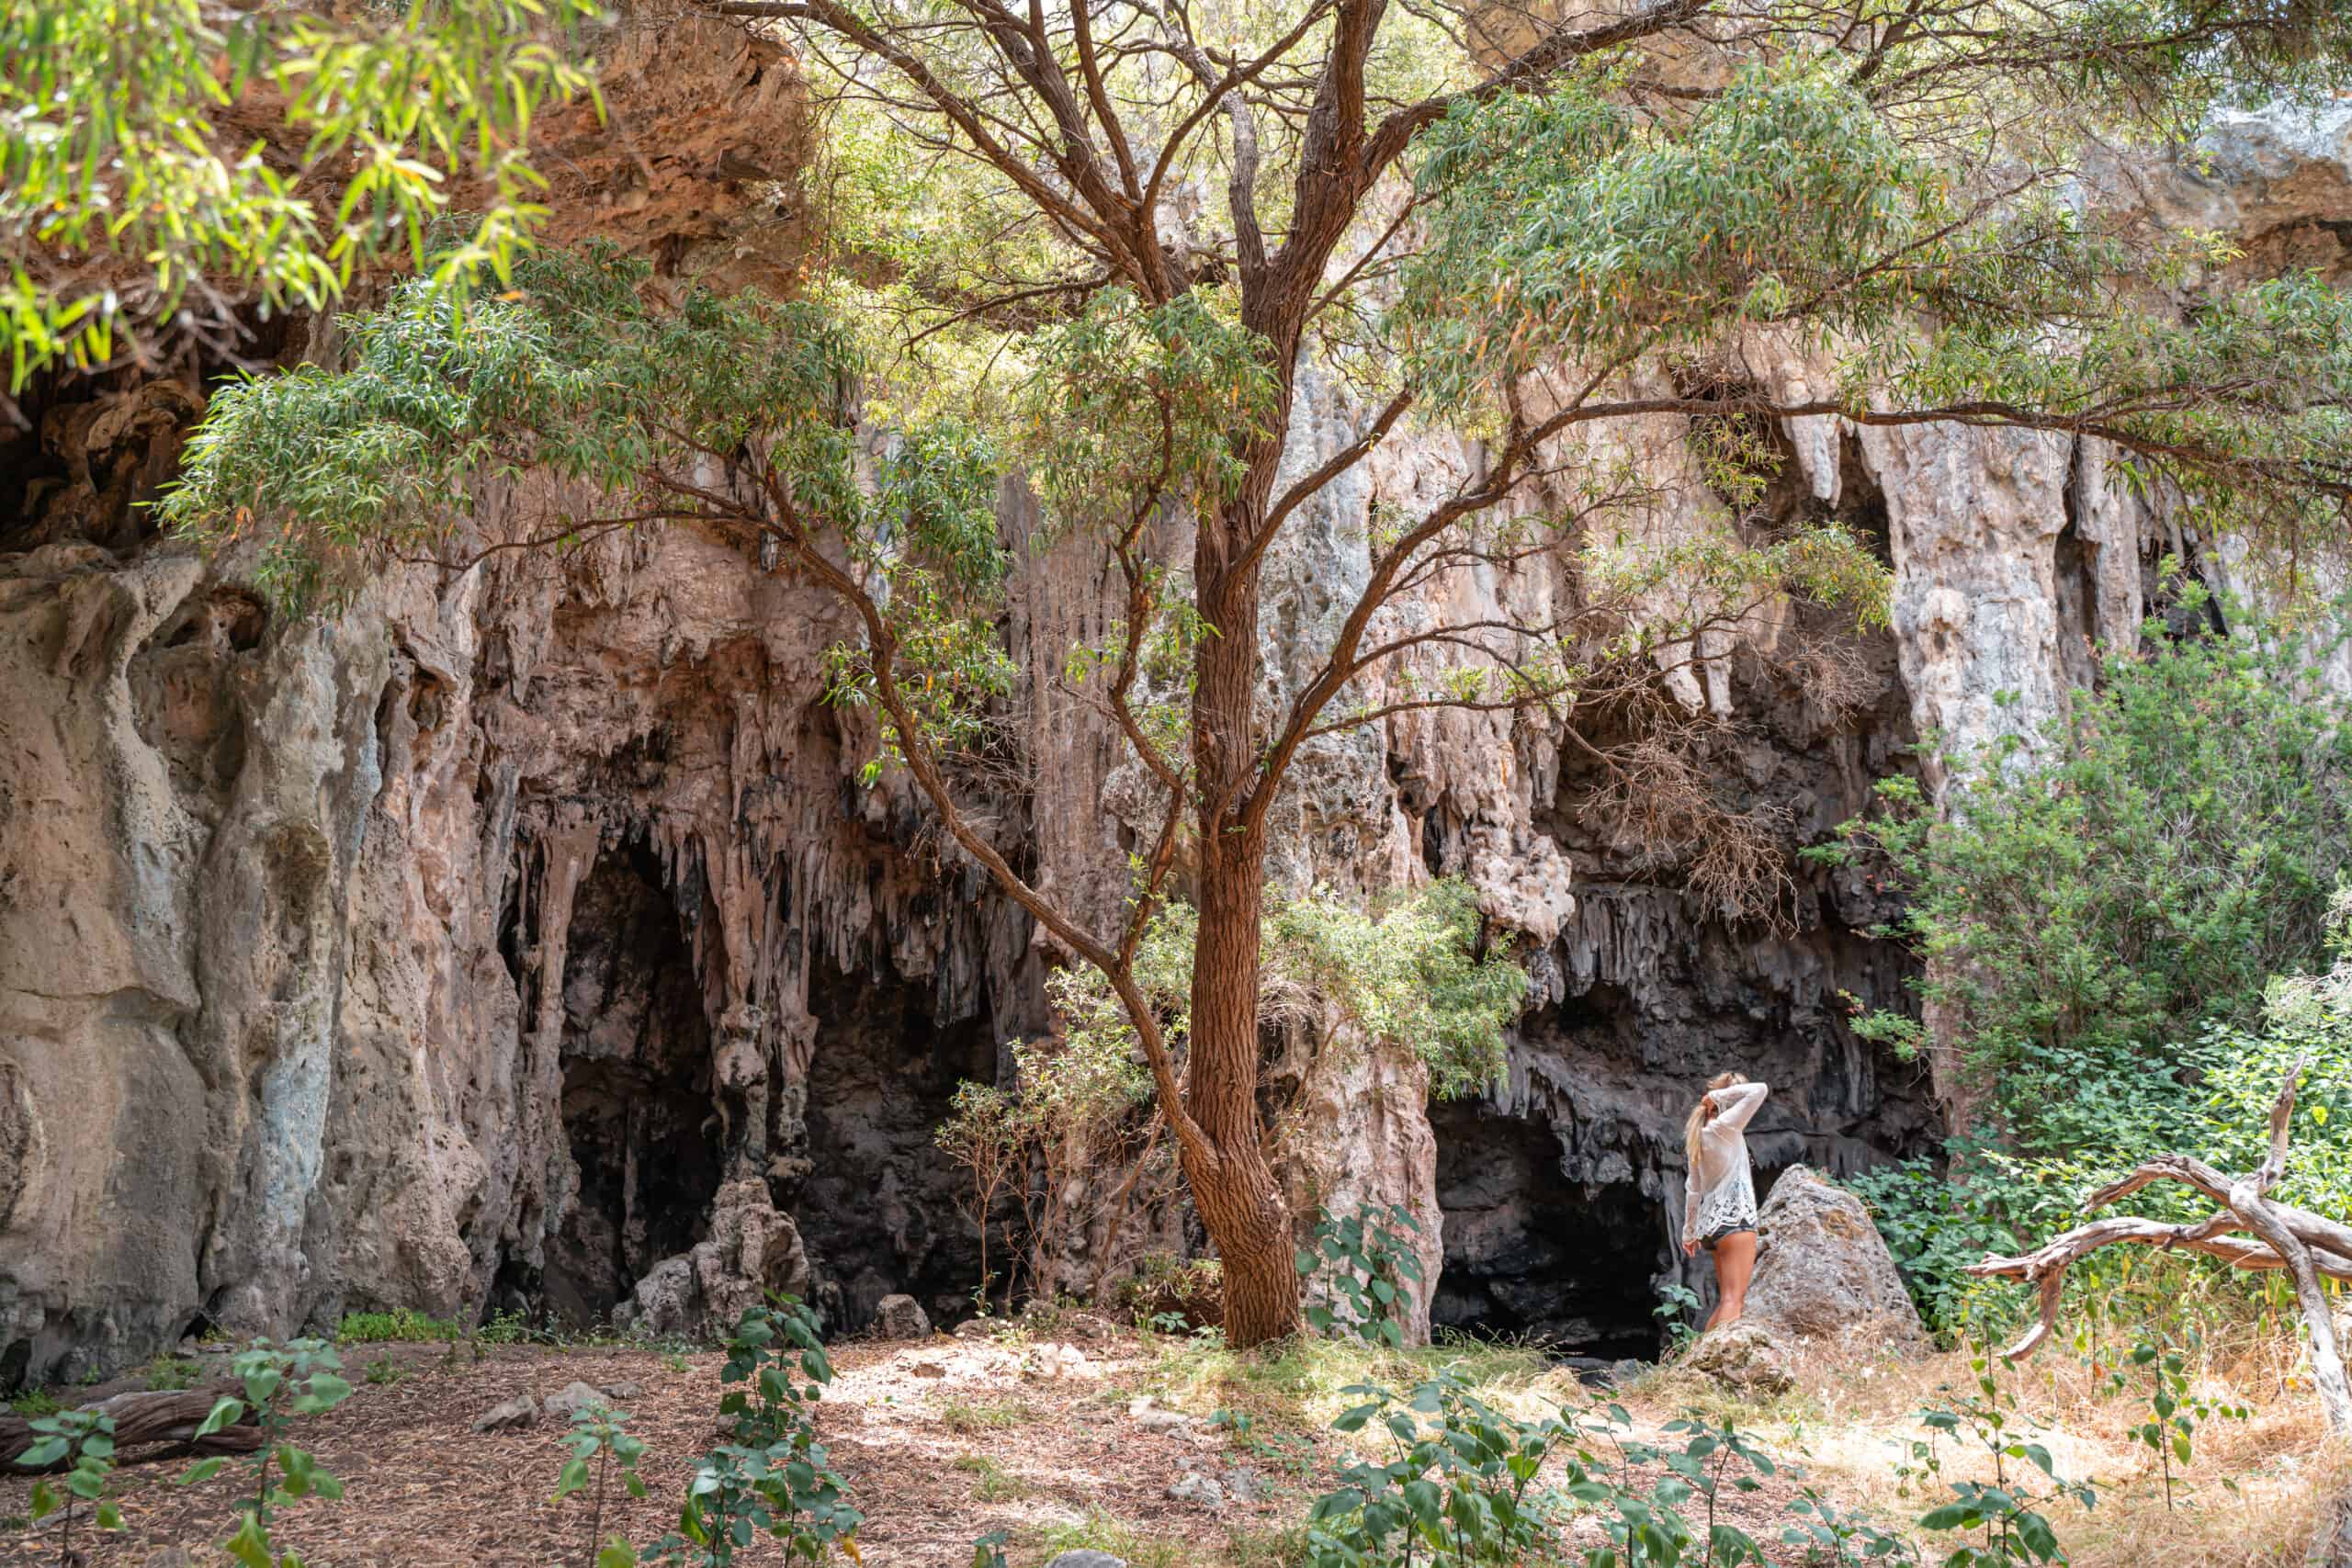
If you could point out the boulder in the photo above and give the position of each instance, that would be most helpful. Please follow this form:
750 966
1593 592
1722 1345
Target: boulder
1745 1357
900 1317
753 1249
1194 1488
575 1398
1825 1272
1087 1557
509 1416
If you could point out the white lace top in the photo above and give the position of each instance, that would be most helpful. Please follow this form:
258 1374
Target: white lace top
1721 1194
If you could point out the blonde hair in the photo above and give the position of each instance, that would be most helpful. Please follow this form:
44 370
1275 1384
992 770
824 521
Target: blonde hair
1696 1121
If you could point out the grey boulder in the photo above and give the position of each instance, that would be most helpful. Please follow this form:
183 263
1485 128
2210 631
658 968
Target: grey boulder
509 1416
1825 1272
901 1317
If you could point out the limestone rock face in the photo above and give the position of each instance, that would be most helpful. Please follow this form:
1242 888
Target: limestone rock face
525 938
1825 1272
701 1294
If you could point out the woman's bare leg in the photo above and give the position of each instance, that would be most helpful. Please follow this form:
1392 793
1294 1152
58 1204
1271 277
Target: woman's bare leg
1735 1264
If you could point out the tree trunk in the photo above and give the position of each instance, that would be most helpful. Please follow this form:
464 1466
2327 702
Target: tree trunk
1240 1199
1233 1182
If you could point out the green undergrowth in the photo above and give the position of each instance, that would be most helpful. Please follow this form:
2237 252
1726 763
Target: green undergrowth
1303 1384
403 1325
1101 1531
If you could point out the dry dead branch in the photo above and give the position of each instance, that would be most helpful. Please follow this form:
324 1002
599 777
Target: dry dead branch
2307 1245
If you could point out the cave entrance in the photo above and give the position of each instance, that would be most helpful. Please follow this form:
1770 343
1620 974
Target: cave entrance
1530 1254
878 1210
637 1105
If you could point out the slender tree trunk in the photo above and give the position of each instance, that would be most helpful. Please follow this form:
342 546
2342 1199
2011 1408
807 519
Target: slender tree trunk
1233 1182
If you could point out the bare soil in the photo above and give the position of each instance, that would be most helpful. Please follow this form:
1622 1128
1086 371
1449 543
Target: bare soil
941 1441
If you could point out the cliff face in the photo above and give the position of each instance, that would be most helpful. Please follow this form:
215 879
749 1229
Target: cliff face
526 930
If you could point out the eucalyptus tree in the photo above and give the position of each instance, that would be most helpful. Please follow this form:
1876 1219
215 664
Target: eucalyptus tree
171 160
1124 227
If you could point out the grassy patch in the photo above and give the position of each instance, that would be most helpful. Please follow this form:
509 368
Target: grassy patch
402 1325
991 1482
1301 1385
969 1416
36 1401
1285 1548
1103 1531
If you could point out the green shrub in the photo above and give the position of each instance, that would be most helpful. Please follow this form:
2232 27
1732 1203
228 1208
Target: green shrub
773 1478
601 1434
302 1377
2101 921
1365 1268
83 1441
2172 846
1999 1523
400 1325
165 1373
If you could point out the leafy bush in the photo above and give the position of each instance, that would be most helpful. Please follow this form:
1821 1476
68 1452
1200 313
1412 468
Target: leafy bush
2007 1509
2176 1410
1364 1265
601 1434
302 1377
1464 1487
773 1477
84 1441
2172 846
2101 920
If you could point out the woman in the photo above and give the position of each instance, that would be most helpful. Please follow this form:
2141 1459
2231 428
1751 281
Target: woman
1719 1214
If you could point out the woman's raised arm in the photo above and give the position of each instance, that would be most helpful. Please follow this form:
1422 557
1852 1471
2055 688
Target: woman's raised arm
1734 1105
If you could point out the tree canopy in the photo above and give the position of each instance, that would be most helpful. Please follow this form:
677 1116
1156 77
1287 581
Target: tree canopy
1098 245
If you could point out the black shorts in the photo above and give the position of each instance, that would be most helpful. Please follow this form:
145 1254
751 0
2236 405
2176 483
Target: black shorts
1709 1240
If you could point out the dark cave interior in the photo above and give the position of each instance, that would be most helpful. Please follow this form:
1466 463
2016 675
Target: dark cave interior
637 1104
1534 1256
878 1210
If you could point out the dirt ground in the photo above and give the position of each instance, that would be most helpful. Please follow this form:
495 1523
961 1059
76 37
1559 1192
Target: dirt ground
942 1441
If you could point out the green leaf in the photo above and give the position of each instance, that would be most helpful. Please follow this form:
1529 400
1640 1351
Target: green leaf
225 1413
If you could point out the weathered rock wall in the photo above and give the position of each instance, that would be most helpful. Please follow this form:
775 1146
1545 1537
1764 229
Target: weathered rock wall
523 934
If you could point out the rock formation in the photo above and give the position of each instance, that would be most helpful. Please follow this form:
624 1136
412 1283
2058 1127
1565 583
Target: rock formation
1825 1272
523 938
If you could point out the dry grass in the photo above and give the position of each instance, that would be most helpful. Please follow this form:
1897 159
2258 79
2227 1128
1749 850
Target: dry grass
2259 1492
944 1442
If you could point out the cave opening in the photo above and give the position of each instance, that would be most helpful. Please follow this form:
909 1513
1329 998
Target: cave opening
637 1104
878 1210
1532 1255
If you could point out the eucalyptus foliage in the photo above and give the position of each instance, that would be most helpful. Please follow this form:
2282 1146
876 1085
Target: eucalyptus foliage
133 184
